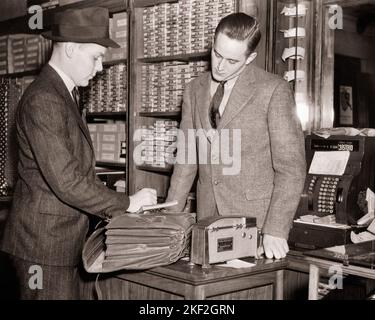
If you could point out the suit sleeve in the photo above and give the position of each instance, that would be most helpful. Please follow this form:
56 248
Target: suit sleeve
184 173
288 157
44 121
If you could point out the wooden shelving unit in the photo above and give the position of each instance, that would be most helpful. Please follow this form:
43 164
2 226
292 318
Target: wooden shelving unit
21 74
180 57
106 115
147 3
115 165
114 62
176 114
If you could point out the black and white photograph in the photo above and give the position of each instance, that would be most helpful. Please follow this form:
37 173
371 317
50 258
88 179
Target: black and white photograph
216 152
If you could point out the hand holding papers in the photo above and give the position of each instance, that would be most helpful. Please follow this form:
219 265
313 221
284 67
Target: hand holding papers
158 206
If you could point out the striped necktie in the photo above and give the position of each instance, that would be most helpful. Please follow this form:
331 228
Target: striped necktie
75 94
214 115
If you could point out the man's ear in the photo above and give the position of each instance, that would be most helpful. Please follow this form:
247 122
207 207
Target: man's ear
251 58
70 47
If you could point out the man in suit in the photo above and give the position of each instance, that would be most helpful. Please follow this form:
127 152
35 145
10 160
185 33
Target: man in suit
241 110
57 188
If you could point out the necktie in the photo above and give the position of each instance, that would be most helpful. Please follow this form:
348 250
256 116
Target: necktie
214 115
75 94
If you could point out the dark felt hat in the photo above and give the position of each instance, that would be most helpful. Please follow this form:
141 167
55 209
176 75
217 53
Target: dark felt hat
88 25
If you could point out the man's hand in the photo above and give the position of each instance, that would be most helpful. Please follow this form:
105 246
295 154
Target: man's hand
144 197
273 247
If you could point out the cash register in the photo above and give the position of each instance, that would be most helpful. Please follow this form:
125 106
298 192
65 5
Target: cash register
340 170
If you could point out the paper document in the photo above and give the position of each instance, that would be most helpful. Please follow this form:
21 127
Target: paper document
362 237
298 11
160 206
328 225
370 198
291 75
237 264
293 53
342 131
329 162
294 32
337 249
366 219
371 227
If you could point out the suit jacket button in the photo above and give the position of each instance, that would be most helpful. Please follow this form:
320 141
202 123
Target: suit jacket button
216 182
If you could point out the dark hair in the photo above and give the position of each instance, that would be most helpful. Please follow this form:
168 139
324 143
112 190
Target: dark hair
240 26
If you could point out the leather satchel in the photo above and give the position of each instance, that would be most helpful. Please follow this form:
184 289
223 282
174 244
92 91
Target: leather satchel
138 242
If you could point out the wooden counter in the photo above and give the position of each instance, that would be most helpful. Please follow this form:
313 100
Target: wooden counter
183 280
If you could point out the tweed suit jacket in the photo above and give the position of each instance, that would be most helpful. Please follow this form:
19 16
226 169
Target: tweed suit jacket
261 122
57 187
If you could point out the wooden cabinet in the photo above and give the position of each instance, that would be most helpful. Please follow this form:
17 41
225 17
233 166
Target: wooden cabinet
183 280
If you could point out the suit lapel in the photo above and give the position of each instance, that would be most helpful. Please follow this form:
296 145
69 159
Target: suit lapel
63 90
242 92
203 99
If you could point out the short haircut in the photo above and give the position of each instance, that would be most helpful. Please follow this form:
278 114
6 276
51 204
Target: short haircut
240 26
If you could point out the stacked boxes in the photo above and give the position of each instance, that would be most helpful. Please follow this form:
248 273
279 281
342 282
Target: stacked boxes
17 53
172 25
159 144
184 30
26 52
197 25
109 141
3 55
161 29
163 84
107 92
11 91
149 38
167 32
118 25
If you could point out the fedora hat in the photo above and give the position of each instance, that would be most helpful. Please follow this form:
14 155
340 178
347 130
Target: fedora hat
87 25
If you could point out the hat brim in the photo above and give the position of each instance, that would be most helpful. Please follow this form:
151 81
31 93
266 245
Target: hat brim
106 42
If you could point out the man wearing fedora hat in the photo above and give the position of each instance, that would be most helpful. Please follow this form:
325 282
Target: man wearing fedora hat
57 188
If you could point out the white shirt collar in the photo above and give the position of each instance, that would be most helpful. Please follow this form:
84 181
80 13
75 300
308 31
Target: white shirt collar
229 84
65 78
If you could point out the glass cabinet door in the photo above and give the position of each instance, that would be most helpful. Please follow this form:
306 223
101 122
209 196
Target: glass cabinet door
292 51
